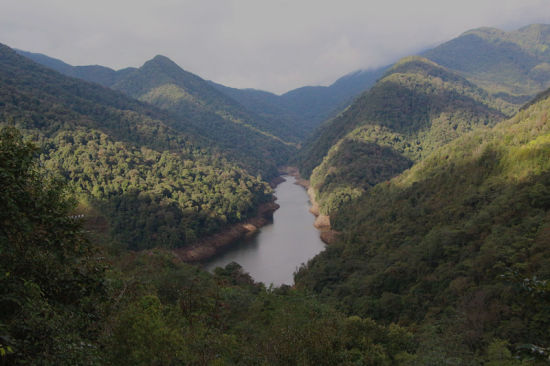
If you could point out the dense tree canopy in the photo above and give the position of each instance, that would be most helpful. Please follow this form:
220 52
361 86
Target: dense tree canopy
140 175
416 108
434 245
49 275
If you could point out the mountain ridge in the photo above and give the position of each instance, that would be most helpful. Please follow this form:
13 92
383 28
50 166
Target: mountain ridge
138 173
415 108
513 65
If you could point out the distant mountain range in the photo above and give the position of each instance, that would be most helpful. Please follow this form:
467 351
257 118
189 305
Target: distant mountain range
291 116
512 66
308 106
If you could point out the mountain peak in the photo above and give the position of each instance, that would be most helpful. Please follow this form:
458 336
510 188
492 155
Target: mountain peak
485 32
162 63
163 59
424 66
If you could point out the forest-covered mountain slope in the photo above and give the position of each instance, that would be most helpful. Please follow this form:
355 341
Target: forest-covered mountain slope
415 108
163 83
66 302
201 108
446 245
307 107
292 116
512 65
139 178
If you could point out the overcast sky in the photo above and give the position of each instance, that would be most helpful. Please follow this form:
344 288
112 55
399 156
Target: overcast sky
275 45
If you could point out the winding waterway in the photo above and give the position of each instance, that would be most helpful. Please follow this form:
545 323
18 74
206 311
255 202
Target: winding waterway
272 255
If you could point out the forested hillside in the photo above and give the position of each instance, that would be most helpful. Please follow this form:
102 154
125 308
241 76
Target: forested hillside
65 301
262 145
291 116
163 83
138 177
445 246
511 65
415 108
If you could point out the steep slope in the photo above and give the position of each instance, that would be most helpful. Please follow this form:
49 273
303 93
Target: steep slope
92 73
512 65
139 180
307 107
431 246
417 107
163 83
200 107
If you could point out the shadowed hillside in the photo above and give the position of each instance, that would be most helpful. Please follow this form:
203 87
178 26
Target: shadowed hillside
440 245
415 108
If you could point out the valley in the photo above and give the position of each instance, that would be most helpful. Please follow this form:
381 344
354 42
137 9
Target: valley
147 218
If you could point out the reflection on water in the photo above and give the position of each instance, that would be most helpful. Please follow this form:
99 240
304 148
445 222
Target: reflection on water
272 255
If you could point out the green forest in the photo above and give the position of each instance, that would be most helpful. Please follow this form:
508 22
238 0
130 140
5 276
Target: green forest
451 239
143 181
417 107
435 172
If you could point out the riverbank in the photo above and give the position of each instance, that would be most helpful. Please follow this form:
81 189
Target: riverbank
322 222
208 247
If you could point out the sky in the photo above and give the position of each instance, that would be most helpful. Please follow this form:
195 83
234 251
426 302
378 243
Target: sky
274 45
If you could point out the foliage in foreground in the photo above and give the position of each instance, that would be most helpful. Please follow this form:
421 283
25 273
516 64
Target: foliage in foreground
64 304
50 276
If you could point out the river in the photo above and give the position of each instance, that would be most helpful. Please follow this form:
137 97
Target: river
278 249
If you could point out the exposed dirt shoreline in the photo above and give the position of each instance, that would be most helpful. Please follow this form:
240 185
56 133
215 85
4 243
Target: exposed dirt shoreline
322 222
208 247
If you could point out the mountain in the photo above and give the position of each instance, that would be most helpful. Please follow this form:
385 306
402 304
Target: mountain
291 116
512 65
453 245
305 107
92 73
200 108
163 83
415 108
143 177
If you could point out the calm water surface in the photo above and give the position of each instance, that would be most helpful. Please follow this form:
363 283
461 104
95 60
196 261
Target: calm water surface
279 248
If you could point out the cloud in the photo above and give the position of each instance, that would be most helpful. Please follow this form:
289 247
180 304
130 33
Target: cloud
275 45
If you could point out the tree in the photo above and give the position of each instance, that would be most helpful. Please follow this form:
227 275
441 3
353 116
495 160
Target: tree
48 270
